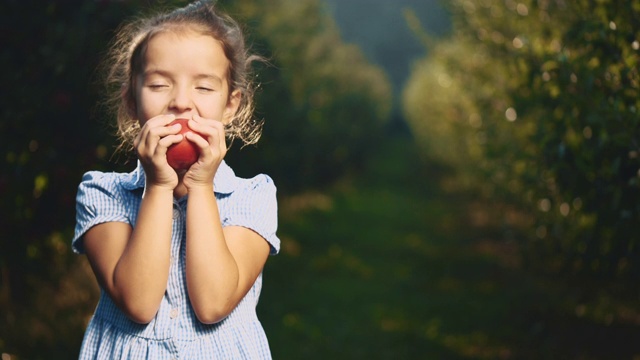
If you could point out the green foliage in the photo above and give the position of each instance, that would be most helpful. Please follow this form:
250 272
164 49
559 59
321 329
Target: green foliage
324 105
50 136
536 103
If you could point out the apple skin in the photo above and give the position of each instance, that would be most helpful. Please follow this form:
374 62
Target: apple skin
182 155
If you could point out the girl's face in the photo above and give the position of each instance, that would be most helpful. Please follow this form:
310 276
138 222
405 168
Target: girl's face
184 73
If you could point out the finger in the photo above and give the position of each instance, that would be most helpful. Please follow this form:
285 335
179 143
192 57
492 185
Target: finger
167 141
158 128
202 125
162 131
160 120
202 144
211 130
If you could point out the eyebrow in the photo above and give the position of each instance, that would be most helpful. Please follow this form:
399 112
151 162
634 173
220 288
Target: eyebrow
209 77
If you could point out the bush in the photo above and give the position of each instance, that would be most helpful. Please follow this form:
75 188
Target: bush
536 103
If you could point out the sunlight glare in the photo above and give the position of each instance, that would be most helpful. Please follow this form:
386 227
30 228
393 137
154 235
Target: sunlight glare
511 114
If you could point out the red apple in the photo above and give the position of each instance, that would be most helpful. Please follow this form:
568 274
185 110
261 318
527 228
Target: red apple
182 155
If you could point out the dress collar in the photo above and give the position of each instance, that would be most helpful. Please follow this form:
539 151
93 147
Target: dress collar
224 182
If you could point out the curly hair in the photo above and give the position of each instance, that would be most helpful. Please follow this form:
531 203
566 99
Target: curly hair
125 62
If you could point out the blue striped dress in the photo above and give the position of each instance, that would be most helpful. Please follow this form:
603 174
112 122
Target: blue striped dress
175 332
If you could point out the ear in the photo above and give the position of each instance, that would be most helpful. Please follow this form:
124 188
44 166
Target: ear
233 102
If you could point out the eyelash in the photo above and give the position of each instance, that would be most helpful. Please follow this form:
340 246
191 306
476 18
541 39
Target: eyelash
159 86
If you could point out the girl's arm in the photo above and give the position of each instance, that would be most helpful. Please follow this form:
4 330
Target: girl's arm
222 264
132 265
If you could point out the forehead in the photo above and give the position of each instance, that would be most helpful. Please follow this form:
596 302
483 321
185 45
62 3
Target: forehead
184 52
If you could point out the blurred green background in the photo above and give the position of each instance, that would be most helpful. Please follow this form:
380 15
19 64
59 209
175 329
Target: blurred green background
457 179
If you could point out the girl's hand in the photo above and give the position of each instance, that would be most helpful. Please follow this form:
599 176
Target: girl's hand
212 146
151 146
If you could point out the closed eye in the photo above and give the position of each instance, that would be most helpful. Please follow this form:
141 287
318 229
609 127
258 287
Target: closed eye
156 86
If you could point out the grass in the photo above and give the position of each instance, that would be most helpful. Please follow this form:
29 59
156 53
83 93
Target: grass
389 266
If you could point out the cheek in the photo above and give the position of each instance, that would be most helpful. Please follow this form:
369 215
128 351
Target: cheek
148 106
211 106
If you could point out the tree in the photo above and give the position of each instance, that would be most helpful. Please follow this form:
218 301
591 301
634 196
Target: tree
51 136
541 100
324 104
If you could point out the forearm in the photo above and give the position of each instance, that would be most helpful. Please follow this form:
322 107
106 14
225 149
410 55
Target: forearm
140 276
212 272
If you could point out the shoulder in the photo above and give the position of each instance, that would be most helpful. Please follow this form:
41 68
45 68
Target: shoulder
230 186
249 196
261 182
253 204
99 180
102 197
92 181
98 187
256 189
112 181
99 177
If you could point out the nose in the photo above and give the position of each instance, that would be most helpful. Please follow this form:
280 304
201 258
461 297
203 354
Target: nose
180 100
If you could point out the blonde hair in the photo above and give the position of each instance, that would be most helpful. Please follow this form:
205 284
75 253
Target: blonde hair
125 62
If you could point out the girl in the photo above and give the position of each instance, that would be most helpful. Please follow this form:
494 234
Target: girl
178 254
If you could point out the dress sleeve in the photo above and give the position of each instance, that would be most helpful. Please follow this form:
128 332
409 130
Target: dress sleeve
96 202
255 207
